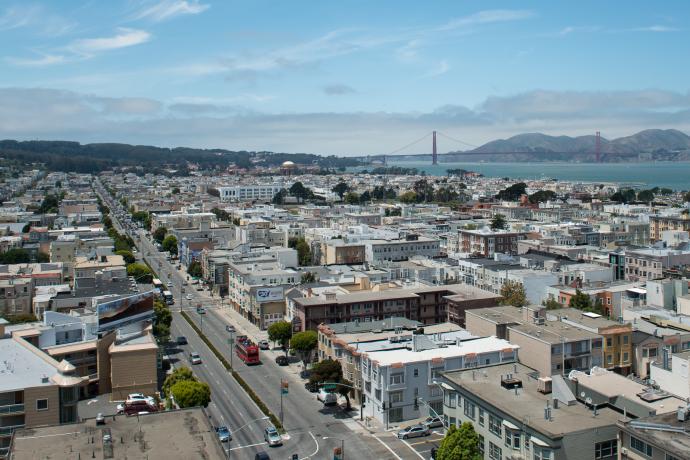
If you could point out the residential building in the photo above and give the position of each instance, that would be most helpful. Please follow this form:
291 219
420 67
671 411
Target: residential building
516 415
658 437
485 242
659 224
250 192
648 264
400 249
401 383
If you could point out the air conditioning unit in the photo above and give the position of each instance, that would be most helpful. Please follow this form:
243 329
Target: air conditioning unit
624 451
544 385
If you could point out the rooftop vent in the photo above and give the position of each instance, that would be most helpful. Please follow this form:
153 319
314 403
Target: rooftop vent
510 382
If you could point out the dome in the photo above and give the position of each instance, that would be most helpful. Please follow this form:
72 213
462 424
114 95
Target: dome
288 164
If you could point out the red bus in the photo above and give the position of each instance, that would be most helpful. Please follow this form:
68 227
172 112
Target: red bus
246 350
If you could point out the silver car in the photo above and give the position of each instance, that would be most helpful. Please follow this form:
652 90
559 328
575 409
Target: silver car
272 437
433 422
413 431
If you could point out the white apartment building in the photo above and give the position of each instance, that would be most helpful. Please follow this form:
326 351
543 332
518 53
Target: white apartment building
249 192
400 383
400 249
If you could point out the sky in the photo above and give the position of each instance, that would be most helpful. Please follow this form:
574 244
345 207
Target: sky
345 78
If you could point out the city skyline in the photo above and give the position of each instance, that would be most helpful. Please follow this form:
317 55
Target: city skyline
337 79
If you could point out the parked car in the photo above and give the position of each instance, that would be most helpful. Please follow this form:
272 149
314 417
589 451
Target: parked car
305 373
413 431
189 296
224 434
139 407
182 340
264 345
282 360
201 310
327 398
272 437
433 422
194 358
230 328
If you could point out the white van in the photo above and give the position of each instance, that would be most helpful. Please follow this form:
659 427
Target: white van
328 399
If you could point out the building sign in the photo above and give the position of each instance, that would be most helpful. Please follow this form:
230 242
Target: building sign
271 294
114 314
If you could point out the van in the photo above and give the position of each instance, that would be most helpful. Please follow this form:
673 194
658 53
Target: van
328 399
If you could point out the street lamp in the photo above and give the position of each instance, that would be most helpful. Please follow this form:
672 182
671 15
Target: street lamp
250 422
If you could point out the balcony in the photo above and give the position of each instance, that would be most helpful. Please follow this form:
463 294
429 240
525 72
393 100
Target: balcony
8 430
11 409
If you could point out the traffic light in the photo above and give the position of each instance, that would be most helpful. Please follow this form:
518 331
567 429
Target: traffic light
416 403
284 387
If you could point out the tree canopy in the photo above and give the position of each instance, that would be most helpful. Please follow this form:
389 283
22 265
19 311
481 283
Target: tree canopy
341 188
191 393
513 192
170 244
162 319
126 255
159 234
140 272
195 269
513 293
304 343
178 375
459 444
498 222
280 332
542 196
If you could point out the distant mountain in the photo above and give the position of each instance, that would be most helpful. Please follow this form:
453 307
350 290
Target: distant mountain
651 142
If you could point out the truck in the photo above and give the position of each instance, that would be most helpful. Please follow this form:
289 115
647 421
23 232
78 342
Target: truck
246 350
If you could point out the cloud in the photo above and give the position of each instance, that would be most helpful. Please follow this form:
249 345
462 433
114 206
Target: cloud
338 90
486 17
654 28
30 113
124 38
35 17
42 61
168 9
441 68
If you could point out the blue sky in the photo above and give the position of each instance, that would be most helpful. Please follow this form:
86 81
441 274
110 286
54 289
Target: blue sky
346 78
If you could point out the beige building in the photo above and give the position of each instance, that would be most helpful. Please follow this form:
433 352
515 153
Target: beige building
15 296
337 252
85 267
35 389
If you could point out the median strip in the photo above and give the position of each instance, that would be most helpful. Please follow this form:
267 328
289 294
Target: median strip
235 375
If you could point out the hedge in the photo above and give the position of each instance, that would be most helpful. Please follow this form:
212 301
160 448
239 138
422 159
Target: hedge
235 375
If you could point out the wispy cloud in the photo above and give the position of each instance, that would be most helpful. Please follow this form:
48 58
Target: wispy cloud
577 29
441 68
486 17
654 28
338 90
85 48
168 9
36 17
124 38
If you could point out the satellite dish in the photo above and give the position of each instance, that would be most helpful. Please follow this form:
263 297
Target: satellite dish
582 395
588 401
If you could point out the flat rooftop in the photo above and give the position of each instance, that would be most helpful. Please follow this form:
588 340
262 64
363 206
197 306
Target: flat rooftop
164 435
674 442
405 355
21 368
528 404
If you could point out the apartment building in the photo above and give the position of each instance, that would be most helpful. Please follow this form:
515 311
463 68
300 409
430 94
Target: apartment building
250 192
339 252
16 296
550 347
88 267
256 290
35 389
648 264
200 220
486 242
517 416
658 437
401 383
659 224
377 250
418 302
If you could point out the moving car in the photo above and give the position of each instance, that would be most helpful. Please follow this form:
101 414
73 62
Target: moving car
413 431
194 358
272 437
327 398
201 310
264 345
100 420
189 296
224 434
262 456
182 340
433 422
282 360
230 328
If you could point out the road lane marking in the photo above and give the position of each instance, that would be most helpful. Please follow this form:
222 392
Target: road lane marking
317 446
249 445
413 449
388 447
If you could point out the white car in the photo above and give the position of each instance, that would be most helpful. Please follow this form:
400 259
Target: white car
194 358
189 296
328 399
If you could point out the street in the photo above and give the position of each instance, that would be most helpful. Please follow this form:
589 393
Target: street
312 430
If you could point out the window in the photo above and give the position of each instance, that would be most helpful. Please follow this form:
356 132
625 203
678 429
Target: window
449 398
494 451
481 417
512 438
606 449
495 425
396 379
481 445
626 339
640 446
469 409
416 372
671 457
395 396
41 404
625 357
609 342
453 421
542 453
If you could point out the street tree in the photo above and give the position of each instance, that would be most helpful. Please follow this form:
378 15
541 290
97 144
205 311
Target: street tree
327 370
344 389
280 332
304 343
513 293
459 444
162 319
170 244
127 256
189 393
178 375
581 301
159 234
195 269
140 272
308 277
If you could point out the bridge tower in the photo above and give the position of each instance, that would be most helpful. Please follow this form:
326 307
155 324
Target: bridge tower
598 147
434 154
